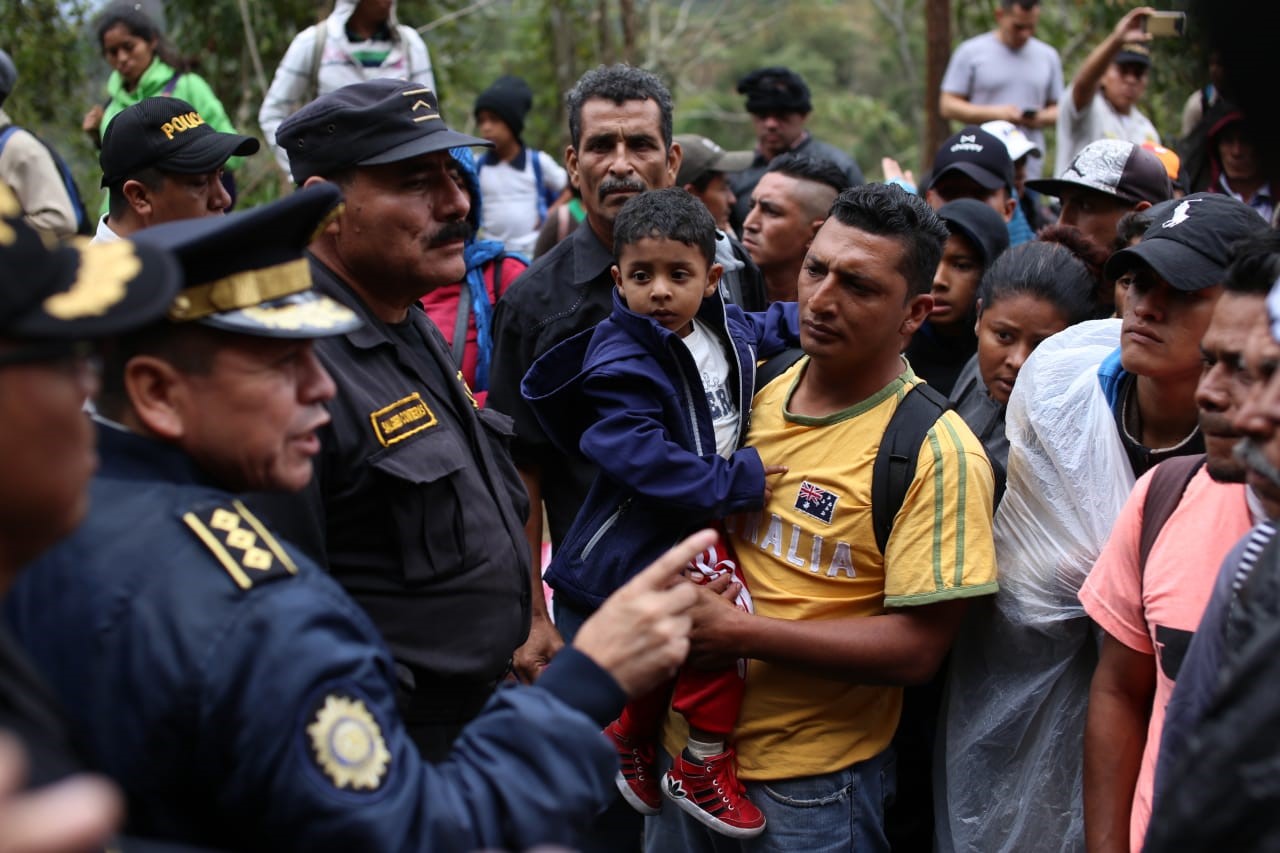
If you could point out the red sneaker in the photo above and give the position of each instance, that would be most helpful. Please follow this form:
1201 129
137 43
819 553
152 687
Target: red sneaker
710 791
637 781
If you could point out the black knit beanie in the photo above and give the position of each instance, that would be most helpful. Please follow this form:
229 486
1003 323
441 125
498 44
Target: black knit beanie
510 99
775 89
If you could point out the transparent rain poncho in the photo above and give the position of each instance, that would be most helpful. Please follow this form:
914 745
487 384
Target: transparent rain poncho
1011 734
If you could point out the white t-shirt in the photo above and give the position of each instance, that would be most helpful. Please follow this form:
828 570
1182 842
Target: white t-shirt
1098 120
509 200
104 234
713 366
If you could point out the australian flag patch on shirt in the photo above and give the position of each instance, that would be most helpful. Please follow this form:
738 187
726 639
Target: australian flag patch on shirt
816 501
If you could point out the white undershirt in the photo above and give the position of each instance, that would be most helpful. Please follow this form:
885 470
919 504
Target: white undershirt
713 367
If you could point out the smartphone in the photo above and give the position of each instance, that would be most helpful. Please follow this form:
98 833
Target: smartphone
1165 24
1029 115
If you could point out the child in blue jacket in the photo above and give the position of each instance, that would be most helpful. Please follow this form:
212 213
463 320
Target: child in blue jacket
658 396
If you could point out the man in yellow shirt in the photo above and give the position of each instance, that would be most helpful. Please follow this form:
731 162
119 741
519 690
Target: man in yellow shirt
839 628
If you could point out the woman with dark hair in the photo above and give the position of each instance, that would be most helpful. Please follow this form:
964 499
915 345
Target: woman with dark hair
1031 292
144 66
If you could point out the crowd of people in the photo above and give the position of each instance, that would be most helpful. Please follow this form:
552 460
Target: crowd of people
656 496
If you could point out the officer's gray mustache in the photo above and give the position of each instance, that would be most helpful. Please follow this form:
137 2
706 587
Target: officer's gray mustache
619 185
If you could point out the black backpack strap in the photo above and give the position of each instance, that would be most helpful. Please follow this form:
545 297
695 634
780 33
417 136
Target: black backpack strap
776 366
497 275
1164 493
459 346
895 464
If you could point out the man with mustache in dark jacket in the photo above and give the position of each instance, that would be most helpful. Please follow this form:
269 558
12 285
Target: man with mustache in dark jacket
415 507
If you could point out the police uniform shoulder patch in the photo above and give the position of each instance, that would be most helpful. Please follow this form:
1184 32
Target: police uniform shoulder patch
240 542
346 742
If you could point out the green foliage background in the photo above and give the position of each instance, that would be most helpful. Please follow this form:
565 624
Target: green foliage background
863 59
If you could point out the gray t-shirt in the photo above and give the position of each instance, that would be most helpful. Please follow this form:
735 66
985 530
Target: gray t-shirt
984 71
1098 120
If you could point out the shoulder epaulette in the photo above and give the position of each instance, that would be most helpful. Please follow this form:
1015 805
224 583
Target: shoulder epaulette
240 542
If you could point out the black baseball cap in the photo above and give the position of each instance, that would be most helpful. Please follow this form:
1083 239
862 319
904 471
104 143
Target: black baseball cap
775 89
1113 167
167 134
979 224
366 124
1133 53
701 156
977 154
77 290
246 272
1189 241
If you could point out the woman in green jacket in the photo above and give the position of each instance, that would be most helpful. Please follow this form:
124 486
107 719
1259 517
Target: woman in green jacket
143 67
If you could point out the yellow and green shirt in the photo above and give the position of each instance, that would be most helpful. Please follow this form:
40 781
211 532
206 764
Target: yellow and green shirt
811 554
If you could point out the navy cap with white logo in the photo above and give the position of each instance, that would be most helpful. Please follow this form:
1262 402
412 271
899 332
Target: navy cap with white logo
1189 241
976 154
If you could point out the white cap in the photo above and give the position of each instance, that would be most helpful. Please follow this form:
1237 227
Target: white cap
1013 138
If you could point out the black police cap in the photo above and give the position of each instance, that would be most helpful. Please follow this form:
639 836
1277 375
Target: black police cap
167 134
366 124
76 290
246 272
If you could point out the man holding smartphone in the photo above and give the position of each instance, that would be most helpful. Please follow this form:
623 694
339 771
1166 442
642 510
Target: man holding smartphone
1102 100
1006 75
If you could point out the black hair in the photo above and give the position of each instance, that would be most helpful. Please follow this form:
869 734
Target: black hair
1025 5
887 210
1255 264
1133 224
1043 270
187 347
619 84
139 24
117 205
672 213
1089 253
817 169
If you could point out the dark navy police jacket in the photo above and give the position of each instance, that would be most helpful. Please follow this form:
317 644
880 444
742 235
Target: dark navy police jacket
244 701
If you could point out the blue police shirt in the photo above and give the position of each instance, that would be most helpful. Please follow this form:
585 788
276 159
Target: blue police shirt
242 700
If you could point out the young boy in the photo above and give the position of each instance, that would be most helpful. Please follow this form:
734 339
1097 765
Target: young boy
517 183
658 395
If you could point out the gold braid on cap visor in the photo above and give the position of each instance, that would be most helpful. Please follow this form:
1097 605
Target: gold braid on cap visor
241 290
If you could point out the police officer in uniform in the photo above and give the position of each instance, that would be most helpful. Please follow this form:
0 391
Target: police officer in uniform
234 691
416 508
53 300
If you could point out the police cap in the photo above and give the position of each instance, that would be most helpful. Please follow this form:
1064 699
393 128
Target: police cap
366 124
245 272
75 290
167 134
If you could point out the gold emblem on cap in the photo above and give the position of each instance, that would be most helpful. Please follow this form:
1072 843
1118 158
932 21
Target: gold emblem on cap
420 104
320 315
347 744
105 270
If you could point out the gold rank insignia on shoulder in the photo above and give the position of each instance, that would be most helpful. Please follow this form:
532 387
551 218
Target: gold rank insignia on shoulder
467 389
401 419
347 744
240 542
